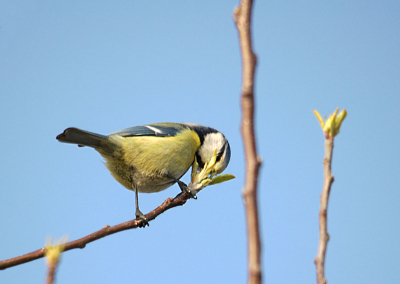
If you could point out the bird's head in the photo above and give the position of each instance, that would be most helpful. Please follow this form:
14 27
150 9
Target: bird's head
211 141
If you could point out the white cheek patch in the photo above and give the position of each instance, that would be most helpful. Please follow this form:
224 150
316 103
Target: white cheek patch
212 142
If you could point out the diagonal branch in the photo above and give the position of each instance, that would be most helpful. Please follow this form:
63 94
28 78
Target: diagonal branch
169 203
242 17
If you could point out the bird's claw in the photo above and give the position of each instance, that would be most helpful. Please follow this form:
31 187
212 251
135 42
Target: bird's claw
186 189
191 193
142 217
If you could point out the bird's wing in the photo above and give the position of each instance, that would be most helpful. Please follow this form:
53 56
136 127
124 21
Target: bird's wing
155 129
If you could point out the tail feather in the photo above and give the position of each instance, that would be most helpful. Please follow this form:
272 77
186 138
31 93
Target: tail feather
81 137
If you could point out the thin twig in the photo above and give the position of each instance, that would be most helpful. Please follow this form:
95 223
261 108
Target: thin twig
169 203
323 221
242 17
51 274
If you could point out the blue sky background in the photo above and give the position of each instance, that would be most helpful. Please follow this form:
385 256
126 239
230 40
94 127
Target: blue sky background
103 66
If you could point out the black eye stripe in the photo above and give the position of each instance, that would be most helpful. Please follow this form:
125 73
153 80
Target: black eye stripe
199 161
219 156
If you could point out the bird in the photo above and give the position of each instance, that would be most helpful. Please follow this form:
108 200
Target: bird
152 157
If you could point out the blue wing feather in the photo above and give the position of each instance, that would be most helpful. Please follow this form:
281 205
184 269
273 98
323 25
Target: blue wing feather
155 129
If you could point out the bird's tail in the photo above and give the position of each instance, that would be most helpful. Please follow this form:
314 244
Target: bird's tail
81 137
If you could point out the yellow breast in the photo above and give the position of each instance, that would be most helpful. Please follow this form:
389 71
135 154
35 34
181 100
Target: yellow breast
148 160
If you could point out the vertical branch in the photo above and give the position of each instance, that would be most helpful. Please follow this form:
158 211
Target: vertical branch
242 17
323 220
330 128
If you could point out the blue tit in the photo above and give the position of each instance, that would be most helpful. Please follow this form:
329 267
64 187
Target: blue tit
152 157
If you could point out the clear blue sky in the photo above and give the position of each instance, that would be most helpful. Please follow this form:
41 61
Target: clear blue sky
103 66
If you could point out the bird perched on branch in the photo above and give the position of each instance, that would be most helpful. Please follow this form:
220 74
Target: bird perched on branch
152 157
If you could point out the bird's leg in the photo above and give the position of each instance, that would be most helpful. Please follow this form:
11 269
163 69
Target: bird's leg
183 187
139 213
